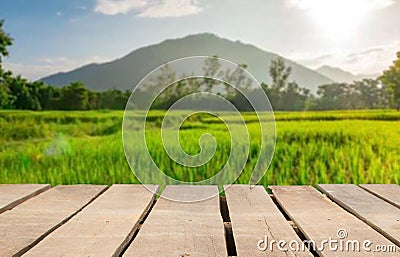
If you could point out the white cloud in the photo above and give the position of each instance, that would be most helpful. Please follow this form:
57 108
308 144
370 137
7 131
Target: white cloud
113 7
149 8
368 61
171 8
48 66
59 13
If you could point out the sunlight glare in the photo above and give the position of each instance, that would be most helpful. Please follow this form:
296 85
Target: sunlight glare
339 19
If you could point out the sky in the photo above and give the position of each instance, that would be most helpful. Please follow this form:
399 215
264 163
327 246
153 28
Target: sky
360 36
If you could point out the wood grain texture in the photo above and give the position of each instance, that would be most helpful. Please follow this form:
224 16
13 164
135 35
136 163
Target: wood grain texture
253 216
320 219
103 228
28 223
13 194
376 212
387 192
179 229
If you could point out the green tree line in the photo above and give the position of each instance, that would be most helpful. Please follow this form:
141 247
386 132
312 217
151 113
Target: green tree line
20 94
284 94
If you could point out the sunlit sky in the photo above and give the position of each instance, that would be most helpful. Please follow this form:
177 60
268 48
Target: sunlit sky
360 36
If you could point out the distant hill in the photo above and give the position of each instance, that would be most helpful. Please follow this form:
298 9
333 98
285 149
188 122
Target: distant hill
127 71
342 76
336 74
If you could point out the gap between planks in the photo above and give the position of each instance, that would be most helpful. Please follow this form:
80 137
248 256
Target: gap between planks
103 228
12 195
33 220
224 212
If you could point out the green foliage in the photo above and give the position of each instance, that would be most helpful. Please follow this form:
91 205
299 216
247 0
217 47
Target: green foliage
74 97
26 95
285 95
6 98
111 100
210 69
279 73
312 147
391 78
5 42
365 94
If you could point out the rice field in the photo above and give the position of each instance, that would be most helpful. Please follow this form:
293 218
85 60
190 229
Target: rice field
311 147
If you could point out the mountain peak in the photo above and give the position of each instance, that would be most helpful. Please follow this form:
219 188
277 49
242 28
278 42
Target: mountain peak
125 72
342 76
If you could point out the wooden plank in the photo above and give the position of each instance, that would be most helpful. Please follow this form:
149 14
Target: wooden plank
26 224
13 194
387 192
103 228
376 212
253 216
179 229
320 219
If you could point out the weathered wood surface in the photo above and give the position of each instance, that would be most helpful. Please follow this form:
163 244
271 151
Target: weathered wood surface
87 220
28 223
388 192
103 228
179 229
13 194
376 212
320 219
253 216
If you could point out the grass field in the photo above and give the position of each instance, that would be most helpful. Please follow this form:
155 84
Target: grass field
312 147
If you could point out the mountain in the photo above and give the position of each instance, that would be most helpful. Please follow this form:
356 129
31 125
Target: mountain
342 76
368 76
336 74
125 72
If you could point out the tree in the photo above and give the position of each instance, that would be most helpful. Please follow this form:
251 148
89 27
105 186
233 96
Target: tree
161 83
279 73
74 97
332 96
26 95
49 96
5 42
6 98
112 99
211 70
295 97
235 81
285 95
369 94
391 79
